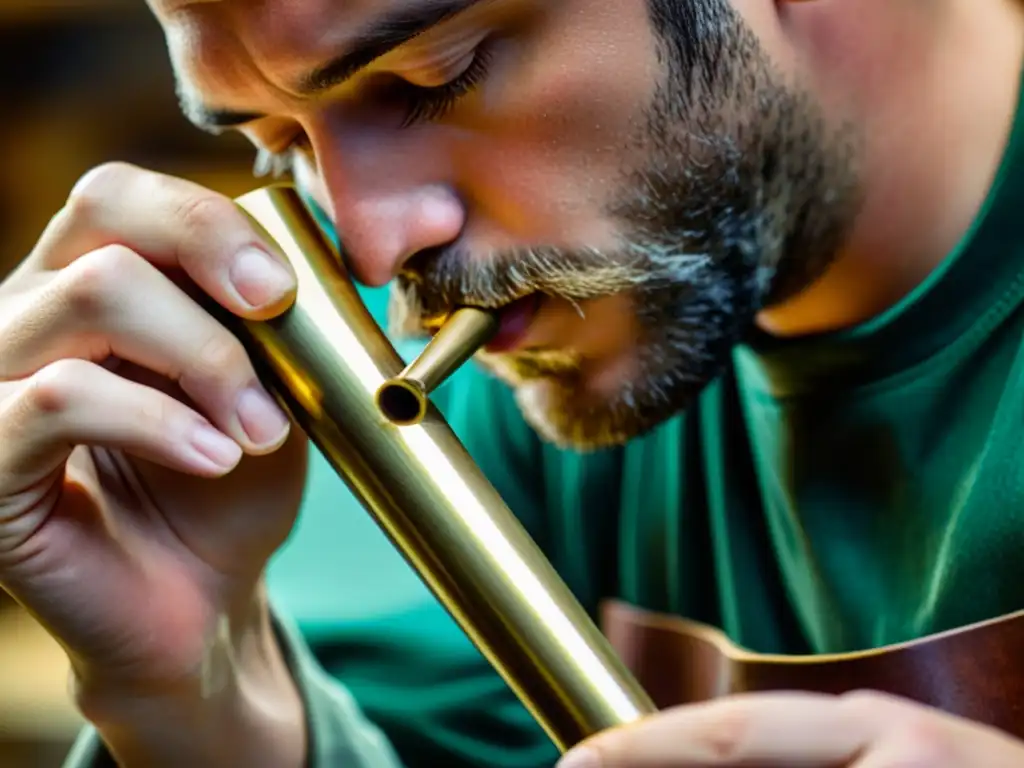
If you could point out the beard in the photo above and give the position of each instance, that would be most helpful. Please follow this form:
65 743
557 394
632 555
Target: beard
736 195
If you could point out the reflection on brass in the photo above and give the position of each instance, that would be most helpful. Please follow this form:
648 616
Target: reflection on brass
404 398
325 359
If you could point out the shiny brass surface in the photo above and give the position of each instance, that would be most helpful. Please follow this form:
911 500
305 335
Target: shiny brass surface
404 399
325 359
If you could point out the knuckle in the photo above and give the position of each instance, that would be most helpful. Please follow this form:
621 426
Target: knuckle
205 213
94 283
51 390
93 191
727 737
156 412
220 356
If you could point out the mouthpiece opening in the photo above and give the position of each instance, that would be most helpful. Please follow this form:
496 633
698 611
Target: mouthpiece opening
402 402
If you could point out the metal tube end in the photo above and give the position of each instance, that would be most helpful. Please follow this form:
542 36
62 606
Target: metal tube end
403 400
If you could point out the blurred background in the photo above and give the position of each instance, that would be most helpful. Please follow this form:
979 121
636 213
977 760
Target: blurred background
85 81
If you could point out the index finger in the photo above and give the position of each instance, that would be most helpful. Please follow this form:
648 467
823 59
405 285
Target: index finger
175 224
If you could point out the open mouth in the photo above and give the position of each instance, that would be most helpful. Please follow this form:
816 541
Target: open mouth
515 319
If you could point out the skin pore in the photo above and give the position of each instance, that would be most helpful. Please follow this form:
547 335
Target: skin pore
664 174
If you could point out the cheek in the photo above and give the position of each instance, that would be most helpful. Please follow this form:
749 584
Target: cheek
764 18
597 329
550 134
536 191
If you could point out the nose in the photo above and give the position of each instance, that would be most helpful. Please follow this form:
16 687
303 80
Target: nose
389 202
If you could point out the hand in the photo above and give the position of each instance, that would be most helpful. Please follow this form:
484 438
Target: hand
146 477
860 730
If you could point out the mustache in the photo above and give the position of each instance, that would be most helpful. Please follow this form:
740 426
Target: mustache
433 283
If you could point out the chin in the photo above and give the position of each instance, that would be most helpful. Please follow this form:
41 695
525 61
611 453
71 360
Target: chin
579 405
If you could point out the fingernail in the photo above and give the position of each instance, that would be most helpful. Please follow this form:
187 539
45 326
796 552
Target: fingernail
218 448
581 757
259 279
261 418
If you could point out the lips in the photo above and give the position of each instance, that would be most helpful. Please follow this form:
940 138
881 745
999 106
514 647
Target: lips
516 319
514 323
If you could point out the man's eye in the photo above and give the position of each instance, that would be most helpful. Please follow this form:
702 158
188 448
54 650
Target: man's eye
419 104
423 104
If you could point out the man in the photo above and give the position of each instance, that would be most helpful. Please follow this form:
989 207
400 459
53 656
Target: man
761 271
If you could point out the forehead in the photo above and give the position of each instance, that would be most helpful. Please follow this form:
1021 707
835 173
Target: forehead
283 16
220 44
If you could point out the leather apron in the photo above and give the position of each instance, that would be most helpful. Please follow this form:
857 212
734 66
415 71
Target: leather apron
976 672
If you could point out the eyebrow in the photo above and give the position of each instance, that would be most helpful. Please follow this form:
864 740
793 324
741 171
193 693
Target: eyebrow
390 31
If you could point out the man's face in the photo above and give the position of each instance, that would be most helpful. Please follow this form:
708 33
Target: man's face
631 181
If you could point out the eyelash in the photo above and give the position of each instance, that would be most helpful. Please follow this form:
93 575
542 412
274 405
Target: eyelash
420 104
429 104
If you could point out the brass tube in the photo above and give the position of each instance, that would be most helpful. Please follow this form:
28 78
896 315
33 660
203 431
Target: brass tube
325 359
404 398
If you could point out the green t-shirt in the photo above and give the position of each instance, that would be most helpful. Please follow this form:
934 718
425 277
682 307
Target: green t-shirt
824 495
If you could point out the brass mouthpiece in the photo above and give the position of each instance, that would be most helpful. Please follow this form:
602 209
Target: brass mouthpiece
330 364
403 399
